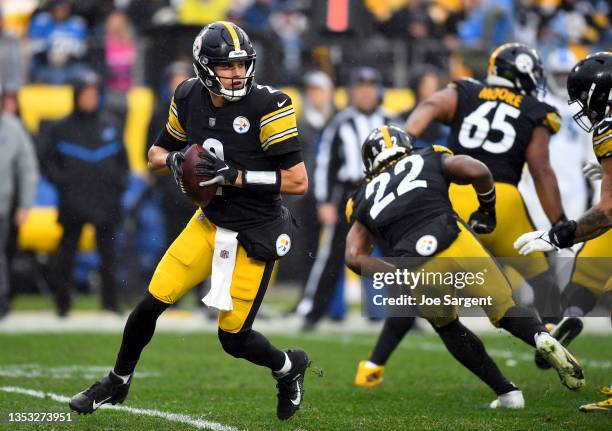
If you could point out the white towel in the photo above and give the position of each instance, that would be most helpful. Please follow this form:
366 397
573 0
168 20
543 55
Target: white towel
223 262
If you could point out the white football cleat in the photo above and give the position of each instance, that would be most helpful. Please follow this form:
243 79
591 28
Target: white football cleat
510 400
561 359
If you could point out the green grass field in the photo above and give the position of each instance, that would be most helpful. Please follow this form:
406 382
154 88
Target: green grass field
189 374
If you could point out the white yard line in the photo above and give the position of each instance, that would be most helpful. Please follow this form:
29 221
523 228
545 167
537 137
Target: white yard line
172 417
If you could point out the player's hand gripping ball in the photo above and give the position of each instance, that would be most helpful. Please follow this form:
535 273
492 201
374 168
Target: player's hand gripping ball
199 195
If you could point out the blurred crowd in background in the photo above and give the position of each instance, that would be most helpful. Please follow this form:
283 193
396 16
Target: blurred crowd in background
109 47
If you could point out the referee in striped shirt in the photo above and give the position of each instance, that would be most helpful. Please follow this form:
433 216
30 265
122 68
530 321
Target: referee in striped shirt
338 171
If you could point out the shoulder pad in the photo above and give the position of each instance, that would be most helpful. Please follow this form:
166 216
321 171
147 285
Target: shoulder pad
602 139
543 114
269 99
464 82
553 121
442 149
184 88
350 206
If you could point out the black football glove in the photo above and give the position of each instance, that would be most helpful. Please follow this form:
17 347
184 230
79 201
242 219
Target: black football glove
483 220
216 169
174 160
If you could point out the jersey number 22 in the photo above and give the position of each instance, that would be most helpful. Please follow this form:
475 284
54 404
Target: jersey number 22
409 182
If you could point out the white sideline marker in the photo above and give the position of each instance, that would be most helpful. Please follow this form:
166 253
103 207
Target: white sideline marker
172 417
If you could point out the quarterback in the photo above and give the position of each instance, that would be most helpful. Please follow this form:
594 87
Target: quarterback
590 86
253 156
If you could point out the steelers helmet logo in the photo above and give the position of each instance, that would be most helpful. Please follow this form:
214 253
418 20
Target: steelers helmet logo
524 63
241 125
197 46
426 245
283 244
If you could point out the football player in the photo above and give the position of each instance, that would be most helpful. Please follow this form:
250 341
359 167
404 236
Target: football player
590 86
253 156
404 200
502 123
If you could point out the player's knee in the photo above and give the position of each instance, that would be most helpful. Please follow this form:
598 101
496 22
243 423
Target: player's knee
149 308
444 325
234 343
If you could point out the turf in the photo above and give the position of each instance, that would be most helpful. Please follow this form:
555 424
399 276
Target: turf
189 374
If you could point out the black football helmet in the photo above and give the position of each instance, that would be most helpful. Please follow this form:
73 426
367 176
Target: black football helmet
383 144
521 66
223 42
590 85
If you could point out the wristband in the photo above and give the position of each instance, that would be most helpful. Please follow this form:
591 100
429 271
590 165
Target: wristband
487 199
562 234
562 219
268 181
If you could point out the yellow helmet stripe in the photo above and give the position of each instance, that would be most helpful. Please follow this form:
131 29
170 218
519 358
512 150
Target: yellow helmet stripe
386 136
233 34
494 56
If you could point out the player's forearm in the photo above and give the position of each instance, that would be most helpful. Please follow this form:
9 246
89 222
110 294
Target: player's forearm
597 219
547 189
440 106
293 181
464 169
366 265
420 118
157 160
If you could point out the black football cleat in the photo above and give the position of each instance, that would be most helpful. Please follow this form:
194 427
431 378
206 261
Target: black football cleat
111 389
291 385
567 329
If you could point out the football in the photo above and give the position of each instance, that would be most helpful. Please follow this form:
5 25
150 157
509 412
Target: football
201 196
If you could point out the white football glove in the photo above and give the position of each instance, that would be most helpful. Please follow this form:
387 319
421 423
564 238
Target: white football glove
534 241
592 170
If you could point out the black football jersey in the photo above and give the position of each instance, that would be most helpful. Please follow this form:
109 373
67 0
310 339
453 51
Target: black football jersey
602 139
494 125
403 197
256 133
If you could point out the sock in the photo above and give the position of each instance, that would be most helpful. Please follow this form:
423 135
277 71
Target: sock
286 367
124 379
522 323
574 311
252 346
393 331
138 331
370 364
546 296
467 348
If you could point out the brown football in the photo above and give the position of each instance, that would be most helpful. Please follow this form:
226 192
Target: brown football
201 196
